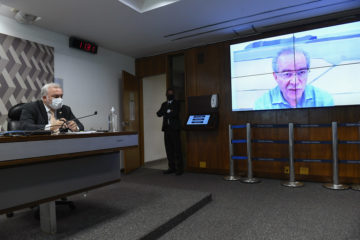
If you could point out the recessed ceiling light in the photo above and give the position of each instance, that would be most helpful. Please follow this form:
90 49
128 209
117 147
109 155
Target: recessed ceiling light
142 6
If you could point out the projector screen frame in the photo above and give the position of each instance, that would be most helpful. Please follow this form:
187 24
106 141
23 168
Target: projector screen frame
285 32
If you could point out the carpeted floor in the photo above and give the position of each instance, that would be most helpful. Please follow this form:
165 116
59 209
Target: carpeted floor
161 164
238 211
261 211
121 211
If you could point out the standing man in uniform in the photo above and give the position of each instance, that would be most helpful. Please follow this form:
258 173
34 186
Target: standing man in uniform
171 127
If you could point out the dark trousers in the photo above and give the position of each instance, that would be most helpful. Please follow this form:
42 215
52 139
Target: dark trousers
173 150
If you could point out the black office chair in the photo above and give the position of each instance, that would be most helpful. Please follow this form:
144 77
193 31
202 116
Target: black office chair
14 114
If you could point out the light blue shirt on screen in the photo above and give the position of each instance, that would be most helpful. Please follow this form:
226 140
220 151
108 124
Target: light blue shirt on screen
312 97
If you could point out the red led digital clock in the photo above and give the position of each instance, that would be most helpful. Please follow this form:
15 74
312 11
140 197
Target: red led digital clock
82 45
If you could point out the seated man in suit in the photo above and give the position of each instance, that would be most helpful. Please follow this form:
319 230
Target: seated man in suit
49 113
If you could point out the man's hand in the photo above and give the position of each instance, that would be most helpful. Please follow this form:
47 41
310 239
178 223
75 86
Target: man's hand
58 124
72 126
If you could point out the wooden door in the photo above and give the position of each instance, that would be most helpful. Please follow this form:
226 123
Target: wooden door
130 118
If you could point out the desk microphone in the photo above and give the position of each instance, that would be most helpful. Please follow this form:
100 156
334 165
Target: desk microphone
95 113
65 129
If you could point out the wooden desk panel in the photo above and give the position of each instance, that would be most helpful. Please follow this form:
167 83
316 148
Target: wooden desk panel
30 149
66 164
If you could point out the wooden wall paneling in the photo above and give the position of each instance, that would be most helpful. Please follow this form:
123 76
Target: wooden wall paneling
349 172
345 114
192 140
301 151
190 72
264 150
319 151
203 69
193 137
267 150
349 152
150 66
222 57
207 72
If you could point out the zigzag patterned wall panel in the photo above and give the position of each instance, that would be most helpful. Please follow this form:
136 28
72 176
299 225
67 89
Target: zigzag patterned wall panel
25 67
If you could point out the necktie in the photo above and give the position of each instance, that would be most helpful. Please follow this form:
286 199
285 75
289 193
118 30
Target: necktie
52 117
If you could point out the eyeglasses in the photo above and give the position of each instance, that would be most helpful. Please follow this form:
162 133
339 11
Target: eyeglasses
291 74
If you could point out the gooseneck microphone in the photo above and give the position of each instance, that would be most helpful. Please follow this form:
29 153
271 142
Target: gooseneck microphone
62 129
95 113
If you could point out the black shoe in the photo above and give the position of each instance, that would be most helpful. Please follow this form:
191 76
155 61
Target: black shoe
168 171
178 173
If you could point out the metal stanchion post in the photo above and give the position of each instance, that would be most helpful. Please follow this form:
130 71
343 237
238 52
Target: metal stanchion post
250 178
335 184
231 176
291 182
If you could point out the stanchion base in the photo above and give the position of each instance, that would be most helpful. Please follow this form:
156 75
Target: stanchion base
355 187
292 184
250 180
231 178
336 186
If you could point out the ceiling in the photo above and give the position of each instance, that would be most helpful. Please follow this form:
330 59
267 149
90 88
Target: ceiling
181 25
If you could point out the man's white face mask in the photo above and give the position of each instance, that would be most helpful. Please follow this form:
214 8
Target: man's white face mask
56 103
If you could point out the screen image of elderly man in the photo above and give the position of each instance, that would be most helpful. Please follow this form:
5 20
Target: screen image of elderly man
290 71
169 110
49 113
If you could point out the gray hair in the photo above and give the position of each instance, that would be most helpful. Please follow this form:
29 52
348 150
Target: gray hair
289 50
45 88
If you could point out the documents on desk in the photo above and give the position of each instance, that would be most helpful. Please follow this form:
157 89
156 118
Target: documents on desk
82 132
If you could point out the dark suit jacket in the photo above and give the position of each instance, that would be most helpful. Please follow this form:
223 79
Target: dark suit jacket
34 116
171 121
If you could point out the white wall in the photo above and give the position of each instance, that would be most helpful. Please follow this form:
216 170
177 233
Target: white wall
154 89
91 82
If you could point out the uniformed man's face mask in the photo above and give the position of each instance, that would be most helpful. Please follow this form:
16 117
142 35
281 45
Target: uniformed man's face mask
170 97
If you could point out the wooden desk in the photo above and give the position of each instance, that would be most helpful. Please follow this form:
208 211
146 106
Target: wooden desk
40 169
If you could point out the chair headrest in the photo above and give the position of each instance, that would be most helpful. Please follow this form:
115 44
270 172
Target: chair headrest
14 112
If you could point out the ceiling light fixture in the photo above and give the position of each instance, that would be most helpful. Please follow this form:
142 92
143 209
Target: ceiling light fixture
142 6
25 18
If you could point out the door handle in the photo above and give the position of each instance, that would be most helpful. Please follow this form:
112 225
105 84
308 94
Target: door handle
125 123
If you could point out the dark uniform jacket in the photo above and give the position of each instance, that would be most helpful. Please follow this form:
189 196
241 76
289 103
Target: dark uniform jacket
171 121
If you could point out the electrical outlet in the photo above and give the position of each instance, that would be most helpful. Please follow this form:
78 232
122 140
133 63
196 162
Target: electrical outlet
202 164
304 170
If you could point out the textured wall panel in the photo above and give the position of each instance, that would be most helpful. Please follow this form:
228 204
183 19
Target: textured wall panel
25 67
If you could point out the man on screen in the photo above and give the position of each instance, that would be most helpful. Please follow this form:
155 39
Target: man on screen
290 70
